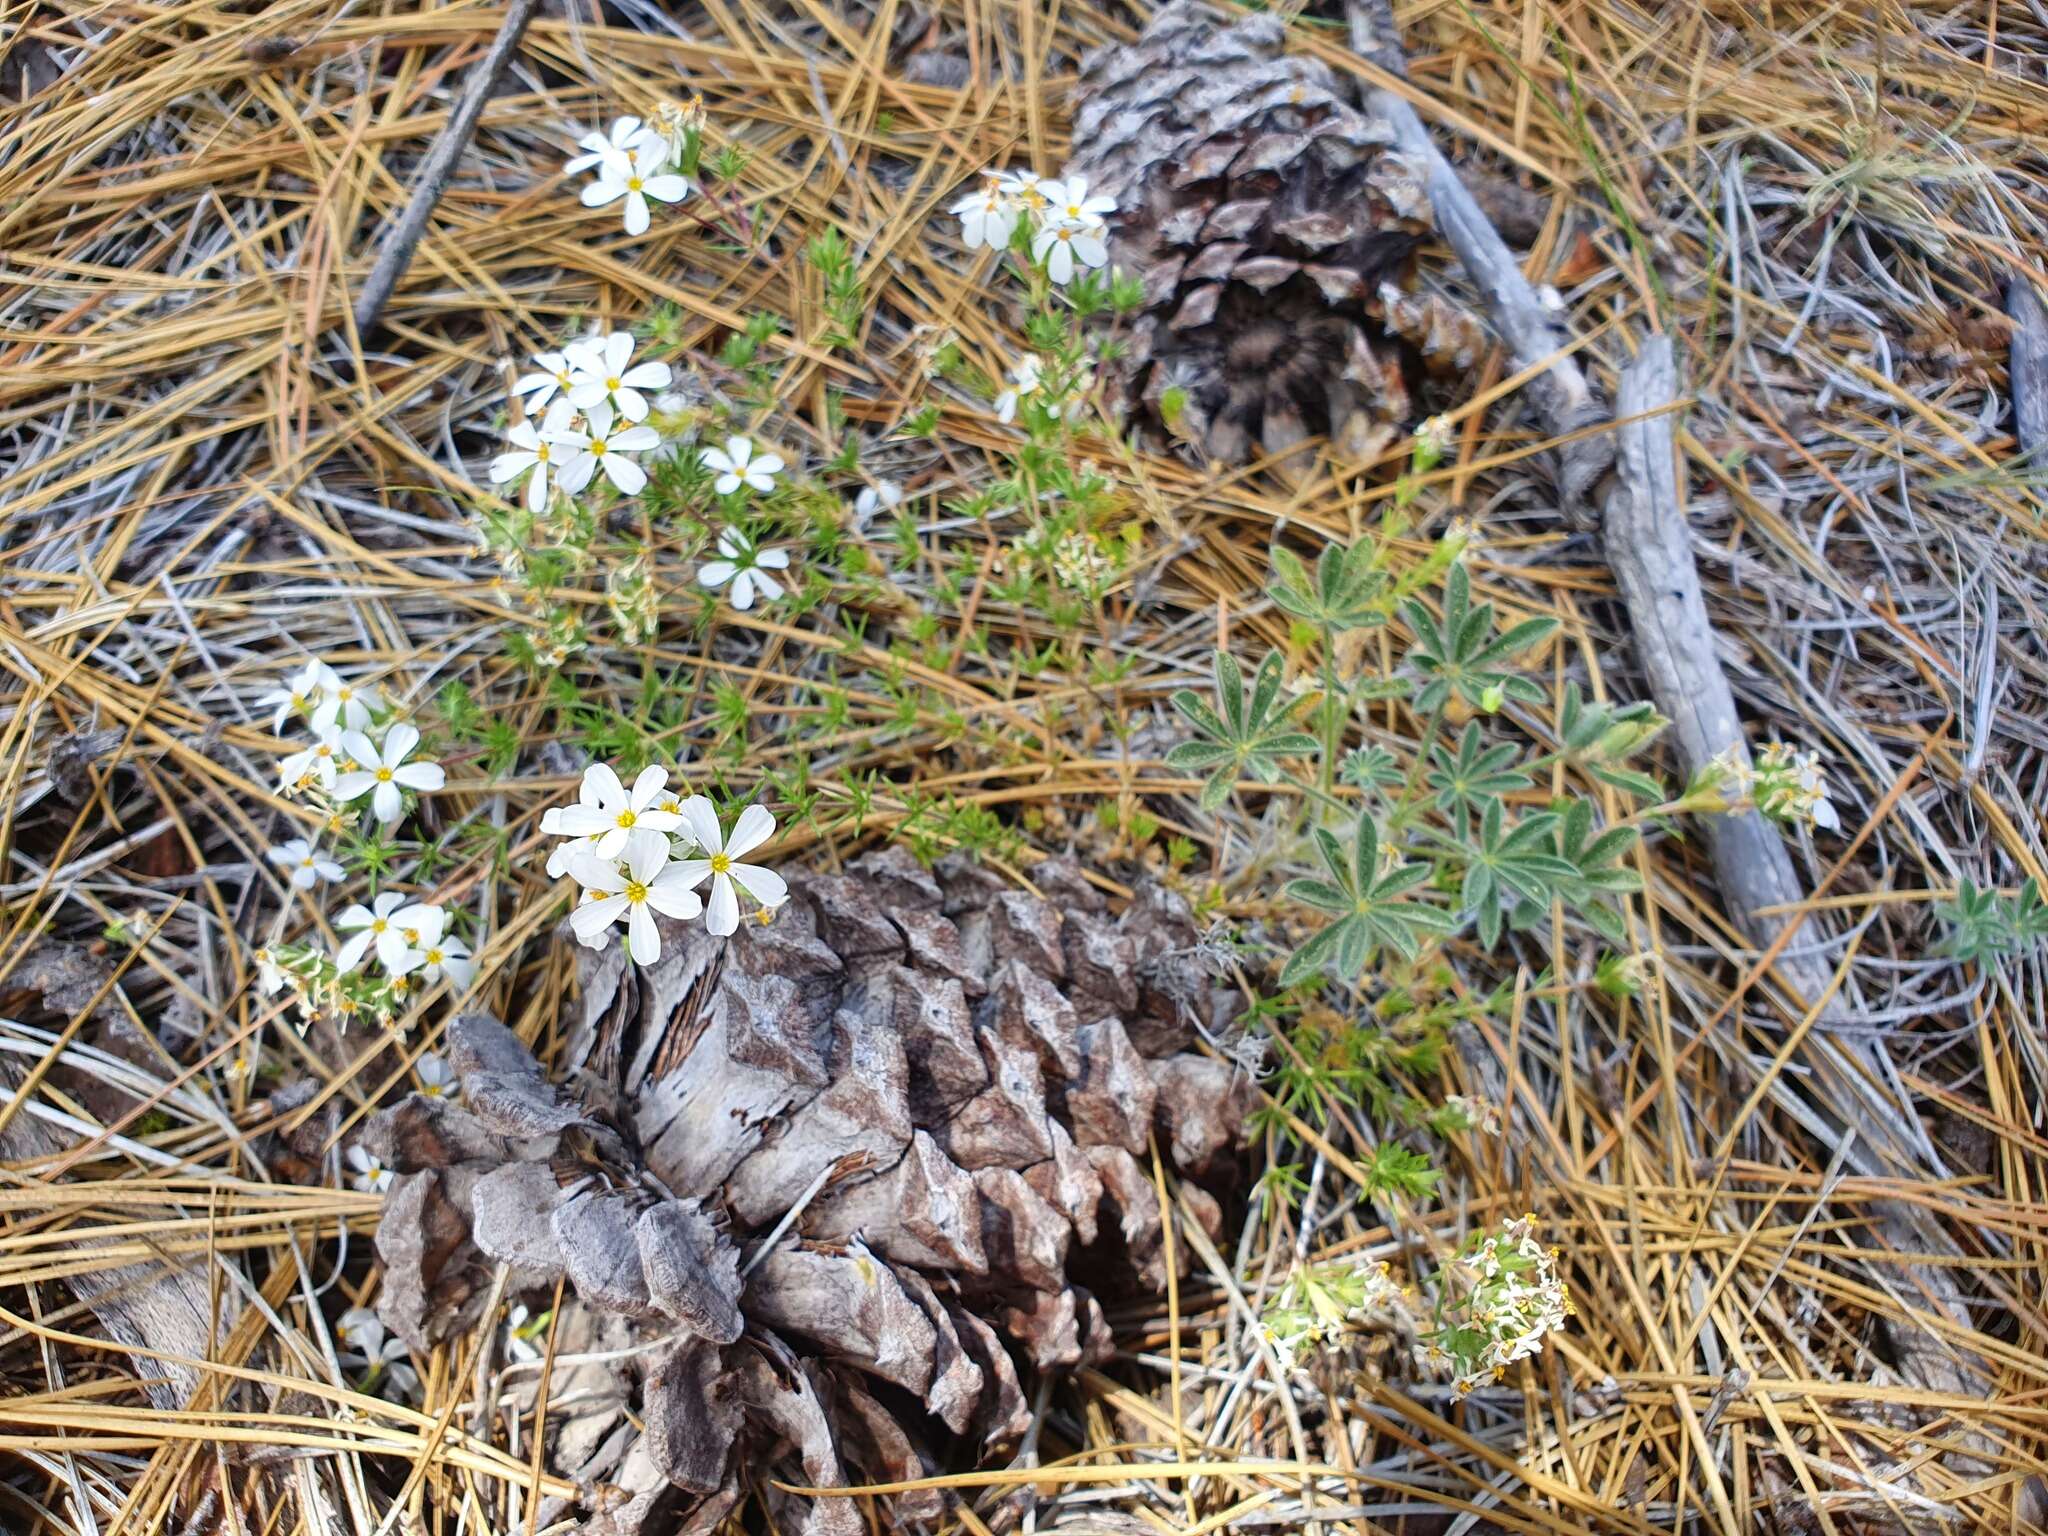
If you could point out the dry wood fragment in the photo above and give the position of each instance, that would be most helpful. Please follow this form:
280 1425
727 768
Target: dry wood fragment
396 254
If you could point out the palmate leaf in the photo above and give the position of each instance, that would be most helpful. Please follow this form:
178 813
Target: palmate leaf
1346 592
1467 779
1245 733
1362 895
1511 863
1461 654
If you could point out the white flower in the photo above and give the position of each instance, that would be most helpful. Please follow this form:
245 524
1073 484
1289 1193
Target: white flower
392 926
604 445
437 1078
1060 245
384 770
629 138
635 174
1076 208
602 376
607 812
646 884
883 496
746 567
521 1328
361 1328
346 705
299 692
1024 380
737 465
754 827
317 764
439 956
987 217
306 863
377 1355
371 1176
270 976
532 448
1032 193
539 388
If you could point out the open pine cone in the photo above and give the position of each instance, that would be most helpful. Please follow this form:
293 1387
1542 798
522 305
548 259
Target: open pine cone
796 1176
1272 227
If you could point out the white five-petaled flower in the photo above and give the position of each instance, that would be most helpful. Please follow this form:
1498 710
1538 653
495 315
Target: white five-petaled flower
632 892
882 496
437 1078
737 465
1075 208
1024 380
305 863
371 1176
628 137
603 443
635 174
988 217
609 813
553 376
533 447
1031 192
603 377
521 1327
380 1357
300 692
746 566
1060 245
318 763
345 705
440 956
393 927
721 862
382 772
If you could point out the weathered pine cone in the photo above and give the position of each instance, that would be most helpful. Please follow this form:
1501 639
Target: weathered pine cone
1273 228
952 1087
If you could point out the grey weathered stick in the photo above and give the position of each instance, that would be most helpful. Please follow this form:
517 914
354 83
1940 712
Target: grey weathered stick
1531 330
2028 369
396 255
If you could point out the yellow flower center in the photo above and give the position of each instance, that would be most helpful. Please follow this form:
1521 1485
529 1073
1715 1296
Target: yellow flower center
627 818
611 383
1066 234
306 862
378 925
633 184
720 863
323 750
635 891
412 935
345 694
541 453
433 957
562 378
383 775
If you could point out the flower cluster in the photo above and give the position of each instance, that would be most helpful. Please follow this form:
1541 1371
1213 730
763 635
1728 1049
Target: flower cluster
593 394
635 852
636 161
1788 785
359 749
1321 1304
1064 224
1501 1298
1784 784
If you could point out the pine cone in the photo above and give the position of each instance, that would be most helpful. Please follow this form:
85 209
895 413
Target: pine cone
951 1087
1272 227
